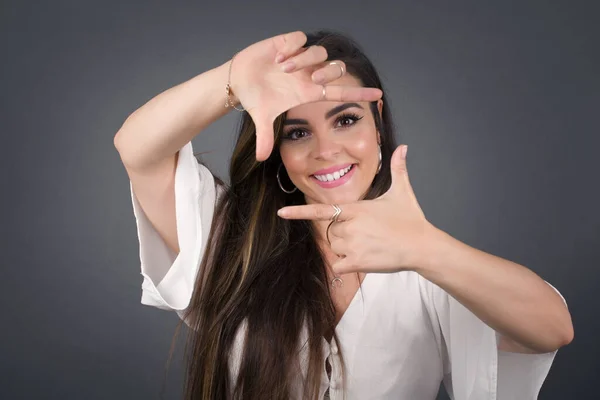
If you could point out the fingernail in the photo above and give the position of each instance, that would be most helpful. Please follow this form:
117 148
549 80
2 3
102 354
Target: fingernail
281 212
288 66
404 151
318 77
278 58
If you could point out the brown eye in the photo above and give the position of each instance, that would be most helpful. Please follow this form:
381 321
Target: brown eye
347 120
295 134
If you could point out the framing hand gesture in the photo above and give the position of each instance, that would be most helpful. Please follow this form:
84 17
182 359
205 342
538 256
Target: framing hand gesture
276 74
386 234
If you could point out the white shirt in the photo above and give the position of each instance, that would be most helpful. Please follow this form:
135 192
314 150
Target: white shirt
401 334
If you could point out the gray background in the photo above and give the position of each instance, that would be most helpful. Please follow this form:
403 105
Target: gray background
498 102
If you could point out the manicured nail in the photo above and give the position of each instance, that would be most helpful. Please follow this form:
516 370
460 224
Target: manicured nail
278 58
288 66
281 212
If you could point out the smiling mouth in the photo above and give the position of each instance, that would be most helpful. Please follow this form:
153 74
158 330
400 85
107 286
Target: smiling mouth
334 176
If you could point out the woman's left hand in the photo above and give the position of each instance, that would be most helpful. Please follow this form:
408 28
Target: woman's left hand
386 234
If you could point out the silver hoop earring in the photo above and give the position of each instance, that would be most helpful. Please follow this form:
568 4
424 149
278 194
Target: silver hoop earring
379 166
279 182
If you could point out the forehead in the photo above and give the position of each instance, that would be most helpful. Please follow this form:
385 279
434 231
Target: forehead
319 108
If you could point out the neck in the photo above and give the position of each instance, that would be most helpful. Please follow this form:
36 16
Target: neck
328 255
320 228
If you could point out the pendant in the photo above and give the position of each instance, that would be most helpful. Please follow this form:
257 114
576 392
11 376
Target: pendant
337 282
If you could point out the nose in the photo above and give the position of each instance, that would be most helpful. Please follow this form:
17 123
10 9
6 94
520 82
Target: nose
326 147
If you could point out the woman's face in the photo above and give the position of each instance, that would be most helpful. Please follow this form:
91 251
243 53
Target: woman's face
330 149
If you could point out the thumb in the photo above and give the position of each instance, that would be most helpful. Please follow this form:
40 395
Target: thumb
264 140
398 167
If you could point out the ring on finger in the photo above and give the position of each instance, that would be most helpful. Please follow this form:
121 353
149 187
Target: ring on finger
337 213
339 65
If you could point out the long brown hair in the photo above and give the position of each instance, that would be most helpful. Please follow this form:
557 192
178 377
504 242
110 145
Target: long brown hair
266 272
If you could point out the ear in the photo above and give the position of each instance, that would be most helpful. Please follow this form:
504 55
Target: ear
380 107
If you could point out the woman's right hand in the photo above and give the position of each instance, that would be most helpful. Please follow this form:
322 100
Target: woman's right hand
265 90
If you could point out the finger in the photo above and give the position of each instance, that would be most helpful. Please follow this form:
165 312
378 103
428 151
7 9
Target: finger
348 93
282 59
398 168
264 139
329 72
288 44
338 229
339 247
314 212
311 56
344 265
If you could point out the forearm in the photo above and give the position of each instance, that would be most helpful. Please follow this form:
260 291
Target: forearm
167 122
508 297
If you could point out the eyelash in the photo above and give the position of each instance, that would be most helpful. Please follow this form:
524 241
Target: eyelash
351 116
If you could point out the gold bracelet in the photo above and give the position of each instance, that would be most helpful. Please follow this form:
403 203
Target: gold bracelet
228 102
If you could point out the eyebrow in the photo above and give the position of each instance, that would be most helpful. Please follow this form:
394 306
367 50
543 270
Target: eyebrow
328 114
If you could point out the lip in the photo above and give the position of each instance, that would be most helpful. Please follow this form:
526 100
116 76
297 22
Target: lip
332 169
336 183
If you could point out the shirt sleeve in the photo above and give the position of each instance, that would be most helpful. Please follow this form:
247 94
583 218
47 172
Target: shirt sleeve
474 368
168 278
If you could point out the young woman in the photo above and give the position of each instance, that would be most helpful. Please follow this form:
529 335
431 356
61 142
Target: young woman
315 274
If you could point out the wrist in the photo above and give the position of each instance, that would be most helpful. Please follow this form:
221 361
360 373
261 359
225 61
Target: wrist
436 247
231 99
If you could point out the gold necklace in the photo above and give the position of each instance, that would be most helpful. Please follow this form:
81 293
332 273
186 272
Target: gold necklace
337 282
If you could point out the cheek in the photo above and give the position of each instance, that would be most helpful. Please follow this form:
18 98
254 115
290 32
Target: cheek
363 146
294 159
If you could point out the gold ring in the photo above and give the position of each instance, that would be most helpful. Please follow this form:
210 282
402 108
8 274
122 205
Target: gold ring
339 65
333 219
337 213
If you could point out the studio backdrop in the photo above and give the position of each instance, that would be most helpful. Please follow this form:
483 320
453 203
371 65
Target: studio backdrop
498 102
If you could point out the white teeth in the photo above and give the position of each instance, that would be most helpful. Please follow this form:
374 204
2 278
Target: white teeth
334 176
